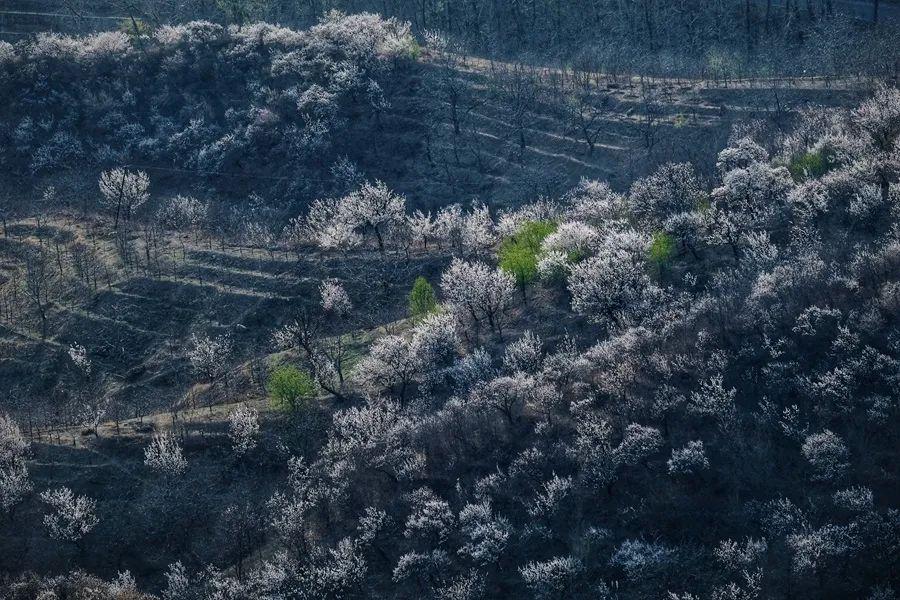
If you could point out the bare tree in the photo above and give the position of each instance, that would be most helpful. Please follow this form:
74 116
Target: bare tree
38 284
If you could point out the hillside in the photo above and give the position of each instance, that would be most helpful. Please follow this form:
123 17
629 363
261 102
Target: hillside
144 317
634 123
351 312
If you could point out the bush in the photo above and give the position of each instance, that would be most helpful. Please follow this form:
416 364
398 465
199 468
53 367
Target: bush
135 28
289 388
662 248
519 253
811 165
422 299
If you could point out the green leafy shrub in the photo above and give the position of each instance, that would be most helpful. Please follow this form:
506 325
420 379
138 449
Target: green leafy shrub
704 206
811 165
422 299
662 248
412 48
519 253
576 256
290 388
135 28
723 63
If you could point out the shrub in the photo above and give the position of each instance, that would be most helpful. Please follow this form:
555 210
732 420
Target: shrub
662 248
811 165
519 253
135 28
289 387
411 50
422 299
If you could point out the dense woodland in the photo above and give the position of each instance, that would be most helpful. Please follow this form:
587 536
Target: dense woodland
282 317
763 37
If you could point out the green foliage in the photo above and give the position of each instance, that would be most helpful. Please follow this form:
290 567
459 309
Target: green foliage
422 299
413 50
662 248
532 233
289 388
135 27
704 206
520 261
811 165
723 63
519 253
575 256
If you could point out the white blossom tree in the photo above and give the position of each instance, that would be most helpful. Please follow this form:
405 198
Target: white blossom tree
879 120
638 443
183 213
478 231
486 534
827 455
395 363
672 189
243 429
715 401
15 485
813 549
612 288
524 355
507 394
164 456
550 497
124 192
335 299
14 481
593 449
474 290
641 559
72 517
449 225
421 227
390 365
594 202
430 517
371 210
689 460
572 238
750 199
553 578
740 154
79 357
209 356
857 499
93 406
737 557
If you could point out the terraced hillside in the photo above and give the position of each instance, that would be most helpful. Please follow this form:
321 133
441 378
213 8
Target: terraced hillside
138 323
330 314
506 144
20 19
503 144
142 530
